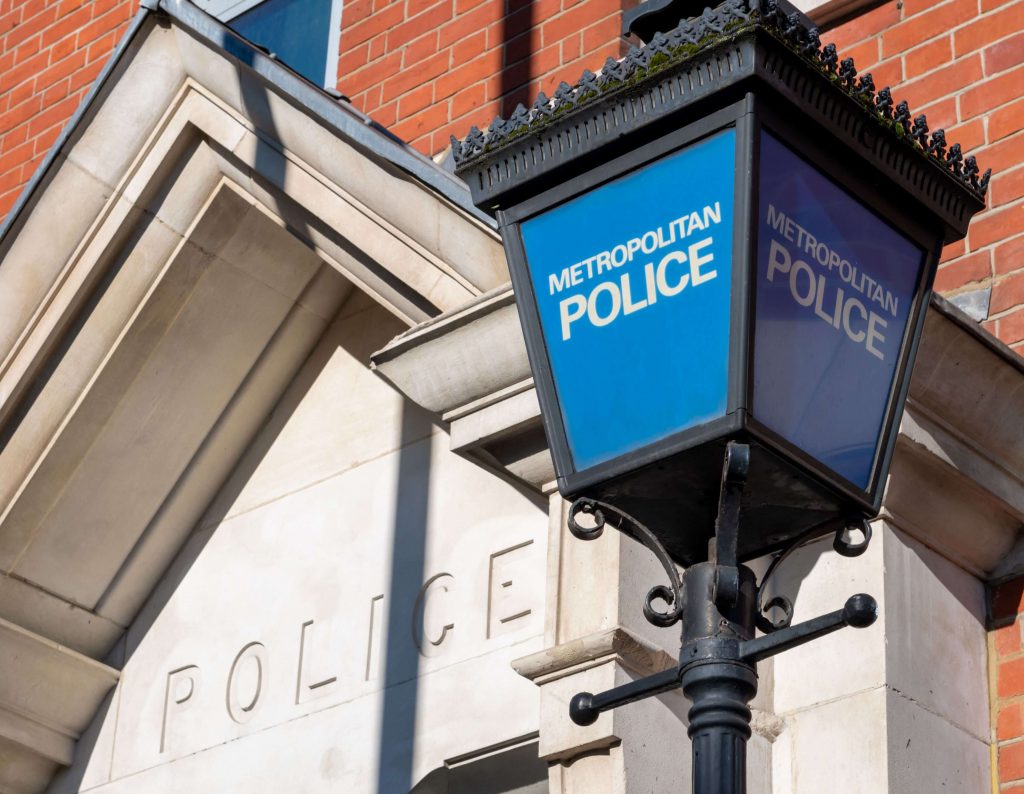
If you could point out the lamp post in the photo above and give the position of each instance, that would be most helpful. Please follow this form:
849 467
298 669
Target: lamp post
721 249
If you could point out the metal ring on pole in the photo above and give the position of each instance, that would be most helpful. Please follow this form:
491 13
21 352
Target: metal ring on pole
671 594
587 507
765 623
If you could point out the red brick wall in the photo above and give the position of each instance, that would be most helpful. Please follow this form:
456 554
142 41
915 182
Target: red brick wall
1007 656
428 69
962 63
50 53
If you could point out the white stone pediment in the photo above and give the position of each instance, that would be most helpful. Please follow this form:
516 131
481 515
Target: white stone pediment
197 234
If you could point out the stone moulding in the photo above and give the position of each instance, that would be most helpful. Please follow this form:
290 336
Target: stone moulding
615 644
738 41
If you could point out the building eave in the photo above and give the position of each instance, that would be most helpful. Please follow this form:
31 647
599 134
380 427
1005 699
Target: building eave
341 116
956 315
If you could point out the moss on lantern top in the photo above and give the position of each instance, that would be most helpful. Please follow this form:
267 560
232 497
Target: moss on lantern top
689 39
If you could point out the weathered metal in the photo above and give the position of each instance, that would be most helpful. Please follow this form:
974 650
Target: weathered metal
720 607
628 525
698 40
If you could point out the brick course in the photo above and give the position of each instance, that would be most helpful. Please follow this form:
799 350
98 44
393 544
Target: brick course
1007 660
962 63
429 70
50 54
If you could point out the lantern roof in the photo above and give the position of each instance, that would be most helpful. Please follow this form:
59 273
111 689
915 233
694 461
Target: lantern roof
697 58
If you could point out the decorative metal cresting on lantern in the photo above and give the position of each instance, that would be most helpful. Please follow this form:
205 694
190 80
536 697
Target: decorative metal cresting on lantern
721 248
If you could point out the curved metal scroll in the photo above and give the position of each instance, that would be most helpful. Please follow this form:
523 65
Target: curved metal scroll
602 513
843 545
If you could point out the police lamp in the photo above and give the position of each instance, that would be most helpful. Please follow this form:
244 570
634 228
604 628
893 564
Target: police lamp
728 235
721 248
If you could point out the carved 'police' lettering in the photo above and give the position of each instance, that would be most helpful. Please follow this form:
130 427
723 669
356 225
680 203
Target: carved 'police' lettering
246 682
432 622
326 666
181 688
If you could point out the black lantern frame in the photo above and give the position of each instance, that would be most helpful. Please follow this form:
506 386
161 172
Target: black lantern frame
754 68
730 489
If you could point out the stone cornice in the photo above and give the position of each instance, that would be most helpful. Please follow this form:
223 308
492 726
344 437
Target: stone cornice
616 644
48 693
957 479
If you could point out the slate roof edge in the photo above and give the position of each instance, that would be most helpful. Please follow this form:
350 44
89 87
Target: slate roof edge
357 127
354 126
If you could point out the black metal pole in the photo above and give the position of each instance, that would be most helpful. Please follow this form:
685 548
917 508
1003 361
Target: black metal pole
720 726
717 602
714 676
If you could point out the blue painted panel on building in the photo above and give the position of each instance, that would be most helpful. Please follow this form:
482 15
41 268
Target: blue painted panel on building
633 283
835 287
296 31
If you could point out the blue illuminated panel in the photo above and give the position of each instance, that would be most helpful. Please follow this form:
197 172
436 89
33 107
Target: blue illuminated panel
298 32
632 282
835 287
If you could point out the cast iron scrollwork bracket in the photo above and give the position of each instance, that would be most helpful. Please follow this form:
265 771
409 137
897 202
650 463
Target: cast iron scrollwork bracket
727 524
602 513
859 611
843 544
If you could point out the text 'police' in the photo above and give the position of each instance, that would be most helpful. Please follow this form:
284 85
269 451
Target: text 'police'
667 275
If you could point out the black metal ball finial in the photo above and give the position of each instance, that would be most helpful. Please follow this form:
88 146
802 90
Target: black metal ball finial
860 611
581 711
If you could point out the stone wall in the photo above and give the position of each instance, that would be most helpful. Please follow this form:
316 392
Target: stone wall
336 598
961 63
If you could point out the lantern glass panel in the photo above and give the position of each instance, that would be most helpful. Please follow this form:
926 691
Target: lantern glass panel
836 288
632 283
